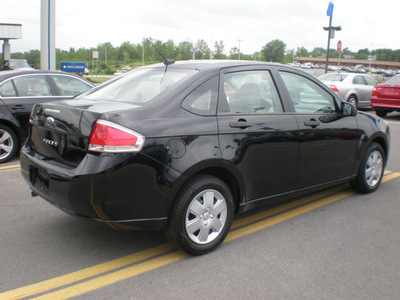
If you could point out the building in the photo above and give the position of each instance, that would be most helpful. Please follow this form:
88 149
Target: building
385 65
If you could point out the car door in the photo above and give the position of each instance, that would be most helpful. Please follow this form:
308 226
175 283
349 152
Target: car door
363 89
19 94
256 135
328 140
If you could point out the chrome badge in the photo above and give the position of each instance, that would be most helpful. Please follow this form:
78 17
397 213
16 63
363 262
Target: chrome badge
50 121
50 142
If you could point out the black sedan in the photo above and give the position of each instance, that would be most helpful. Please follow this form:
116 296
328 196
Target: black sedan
19 91
184 147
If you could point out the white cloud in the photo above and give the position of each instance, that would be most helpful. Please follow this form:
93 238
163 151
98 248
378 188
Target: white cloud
86 23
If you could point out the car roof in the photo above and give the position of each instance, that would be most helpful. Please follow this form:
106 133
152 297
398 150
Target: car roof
12 73
214 64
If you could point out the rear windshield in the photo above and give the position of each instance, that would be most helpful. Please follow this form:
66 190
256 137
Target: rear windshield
394 80
139 86
332 77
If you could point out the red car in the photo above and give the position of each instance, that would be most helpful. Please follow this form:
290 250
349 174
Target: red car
386 97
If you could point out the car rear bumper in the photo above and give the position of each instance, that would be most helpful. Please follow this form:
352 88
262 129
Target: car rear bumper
123 190
387 103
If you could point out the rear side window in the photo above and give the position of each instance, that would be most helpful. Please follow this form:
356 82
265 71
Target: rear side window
203 100
32 86
307 96
7 90
370 81
358 80
69 86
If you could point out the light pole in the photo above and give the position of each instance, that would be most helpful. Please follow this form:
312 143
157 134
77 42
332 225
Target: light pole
331 32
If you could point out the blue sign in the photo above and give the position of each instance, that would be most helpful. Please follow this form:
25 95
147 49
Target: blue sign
330 9
75 67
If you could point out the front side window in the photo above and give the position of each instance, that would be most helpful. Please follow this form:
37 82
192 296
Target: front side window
69 86
32 86
251 92
139 86
307 96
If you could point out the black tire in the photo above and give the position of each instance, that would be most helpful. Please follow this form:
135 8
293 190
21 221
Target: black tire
381 113
371 170
8 144
201 216
353 100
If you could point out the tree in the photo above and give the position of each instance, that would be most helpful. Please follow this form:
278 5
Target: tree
274 51
302 52
183 50
203 51
219 49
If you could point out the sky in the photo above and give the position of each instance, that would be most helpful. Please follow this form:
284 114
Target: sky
250 24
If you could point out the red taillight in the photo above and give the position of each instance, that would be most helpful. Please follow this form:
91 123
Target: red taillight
374 94
110 137
334 88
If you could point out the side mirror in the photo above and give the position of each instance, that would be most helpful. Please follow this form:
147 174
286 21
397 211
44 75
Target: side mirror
348 110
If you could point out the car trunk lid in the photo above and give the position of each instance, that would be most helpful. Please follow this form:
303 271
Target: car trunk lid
61 130
388 91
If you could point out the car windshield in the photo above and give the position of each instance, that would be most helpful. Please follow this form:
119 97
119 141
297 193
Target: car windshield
139 86
332 77
394 80
19 64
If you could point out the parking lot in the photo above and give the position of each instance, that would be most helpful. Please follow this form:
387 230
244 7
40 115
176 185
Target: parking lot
334 244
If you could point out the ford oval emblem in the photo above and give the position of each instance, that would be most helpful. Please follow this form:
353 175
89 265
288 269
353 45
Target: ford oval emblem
50 121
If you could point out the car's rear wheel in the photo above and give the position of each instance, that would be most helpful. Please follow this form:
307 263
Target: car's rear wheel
371 170
202 215
353 100
381 113
8 144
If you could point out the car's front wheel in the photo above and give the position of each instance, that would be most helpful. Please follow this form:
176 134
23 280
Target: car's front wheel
371 170
8 144
202 215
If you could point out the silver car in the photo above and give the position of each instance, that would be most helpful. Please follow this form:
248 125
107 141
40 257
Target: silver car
354 88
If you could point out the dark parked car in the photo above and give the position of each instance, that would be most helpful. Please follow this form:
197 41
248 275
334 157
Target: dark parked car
386 97
19 91
184 147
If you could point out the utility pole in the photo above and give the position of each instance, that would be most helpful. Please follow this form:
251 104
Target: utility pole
48 35
239 48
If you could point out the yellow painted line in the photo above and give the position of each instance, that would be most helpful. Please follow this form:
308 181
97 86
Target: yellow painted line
50 284
10 167
132 271
258 222
115 277
282 208
390 176
285 216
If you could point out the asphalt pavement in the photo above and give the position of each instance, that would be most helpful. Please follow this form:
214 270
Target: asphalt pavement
335 244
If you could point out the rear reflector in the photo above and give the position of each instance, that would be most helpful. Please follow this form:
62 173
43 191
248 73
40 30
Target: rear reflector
110 137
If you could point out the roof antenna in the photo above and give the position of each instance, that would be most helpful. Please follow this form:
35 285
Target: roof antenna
167 61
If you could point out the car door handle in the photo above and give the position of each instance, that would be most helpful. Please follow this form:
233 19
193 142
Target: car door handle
239 124
312 123
18 107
